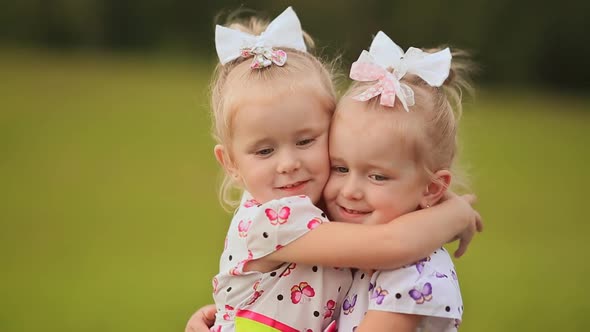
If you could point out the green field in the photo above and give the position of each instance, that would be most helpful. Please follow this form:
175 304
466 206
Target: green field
110 220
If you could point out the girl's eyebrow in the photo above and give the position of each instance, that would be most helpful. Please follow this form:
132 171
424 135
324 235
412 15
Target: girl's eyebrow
309 129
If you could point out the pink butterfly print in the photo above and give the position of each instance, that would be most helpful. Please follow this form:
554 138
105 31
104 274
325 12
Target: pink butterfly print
215 285
299 292
256 293
255 296
280 217
330 307
243 228
250 203
379 295
288 270
348 305
216 328
229 312
278 246
237 270
313 223
422 296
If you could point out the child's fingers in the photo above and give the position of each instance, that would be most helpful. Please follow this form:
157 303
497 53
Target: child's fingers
209 314
463 244
478 222
201 320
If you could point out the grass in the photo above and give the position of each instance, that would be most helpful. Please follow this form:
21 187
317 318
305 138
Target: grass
110 220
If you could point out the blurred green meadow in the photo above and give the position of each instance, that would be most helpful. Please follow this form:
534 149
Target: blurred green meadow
110 220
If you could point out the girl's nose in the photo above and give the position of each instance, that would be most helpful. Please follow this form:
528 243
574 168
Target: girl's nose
352 190
288 163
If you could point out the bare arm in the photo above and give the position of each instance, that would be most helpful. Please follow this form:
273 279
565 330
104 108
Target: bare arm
388 246
376 321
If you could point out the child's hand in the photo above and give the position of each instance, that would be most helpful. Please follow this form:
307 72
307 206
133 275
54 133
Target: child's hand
474 222
201 320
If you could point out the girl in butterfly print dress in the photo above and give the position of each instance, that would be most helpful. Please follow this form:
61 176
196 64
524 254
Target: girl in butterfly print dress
401 164
271 121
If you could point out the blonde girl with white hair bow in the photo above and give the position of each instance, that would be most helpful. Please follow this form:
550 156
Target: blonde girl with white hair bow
393 144
272 104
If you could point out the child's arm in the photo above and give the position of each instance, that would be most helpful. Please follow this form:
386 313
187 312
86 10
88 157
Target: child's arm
387 246
376 321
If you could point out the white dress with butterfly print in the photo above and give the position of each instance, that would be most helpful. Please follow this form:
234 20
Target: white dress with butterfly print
294 297
429 288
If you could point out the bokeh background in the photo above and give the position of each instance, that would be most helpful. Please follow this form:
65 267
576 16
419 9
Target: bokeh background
108 210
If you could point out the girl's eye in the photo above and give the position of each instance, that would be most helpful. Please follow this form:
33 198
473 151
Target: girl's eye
264 152
305 141
378 177
340 169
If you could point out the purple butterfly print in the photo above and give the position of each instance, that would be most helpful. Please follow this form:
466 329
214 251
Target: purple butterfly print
440 275
371 286
379 295
348 305
454 275
422 296
420 264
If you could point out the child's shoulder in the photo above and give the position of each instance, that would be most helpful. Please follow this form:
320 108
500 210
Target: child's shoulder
428 287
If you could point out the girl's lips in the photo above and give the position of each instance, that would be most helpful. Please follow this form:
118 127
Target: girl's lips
294 186
349 213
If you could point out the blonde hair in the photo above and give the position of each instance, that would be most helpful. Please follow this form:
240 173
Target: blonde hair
223 106
438 110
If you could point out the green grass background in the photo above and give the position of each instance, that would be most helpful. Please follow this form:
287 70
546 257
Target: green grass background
110 221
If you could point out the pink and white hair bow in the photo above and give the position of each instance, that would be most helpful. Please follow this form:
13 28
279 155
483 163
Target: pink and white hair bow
284 31
386 63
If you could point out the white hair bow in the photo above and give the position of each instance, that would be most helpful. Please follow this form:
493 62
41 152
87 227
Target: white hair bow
284 31
386 63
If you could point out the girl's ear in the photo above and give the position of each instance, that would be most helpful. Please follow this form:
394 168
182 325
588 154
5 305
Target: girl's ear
436 188
225 161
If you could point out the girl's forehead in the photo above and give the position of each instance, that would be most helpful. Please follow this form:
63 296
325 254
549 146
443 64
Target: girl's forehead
389 129
272 84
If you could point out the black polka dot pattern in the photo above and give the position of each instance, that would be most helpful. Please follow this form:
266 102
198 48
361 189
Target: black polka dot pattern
265 235
316 313
230 258
272 274
228 289
323 215
314 269
398 296
280 297
447 308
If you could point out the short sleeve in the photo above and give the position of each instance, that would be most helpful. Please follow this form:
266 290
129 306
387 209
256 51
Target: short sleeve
279 222
428 287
